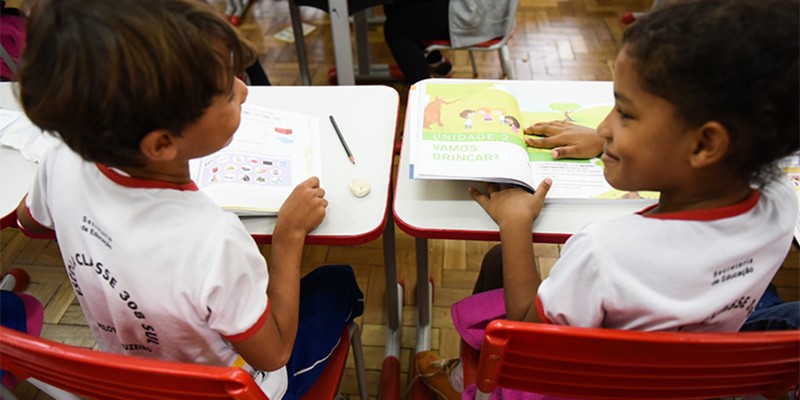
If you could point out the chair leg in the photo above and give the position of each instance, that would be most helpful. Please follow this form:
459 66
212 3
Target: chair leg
299 42
505 62
358 358
474 64
230 7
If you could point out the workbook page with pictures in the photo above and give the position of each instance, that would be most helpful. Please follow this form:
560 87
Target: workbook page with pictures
791 166
474 130
271 152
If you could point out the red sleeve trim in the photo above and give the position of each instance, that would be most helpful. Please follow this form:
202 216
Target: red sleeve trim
709 214
253 329
132 182
49 235
540 311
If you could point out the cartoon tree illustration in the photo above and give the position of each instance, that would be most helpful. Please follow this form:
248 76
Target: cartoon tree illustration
565 108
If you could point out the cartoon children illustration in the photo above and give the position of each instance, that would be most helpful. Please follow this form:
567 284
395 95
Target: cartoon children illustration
513 123
467 115
501 115
486 113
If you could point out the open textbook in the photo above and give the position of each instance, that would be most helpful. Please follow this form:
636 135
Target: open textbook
271 152
791 166
473 130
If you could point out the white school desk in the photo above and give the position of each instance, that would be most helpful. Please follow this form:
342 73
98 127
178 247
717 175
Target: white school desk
16 173
367 117
443 209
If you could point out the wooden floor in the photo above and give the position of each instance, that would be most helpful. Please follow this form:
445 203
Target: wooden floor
554 39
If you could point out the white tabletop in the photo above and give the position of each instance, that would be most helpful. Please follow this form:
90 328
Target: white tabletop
366 115
444 209
16 173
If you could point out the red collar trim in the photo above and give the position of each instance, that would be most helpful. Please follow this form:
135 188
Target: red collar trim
139 183
709 214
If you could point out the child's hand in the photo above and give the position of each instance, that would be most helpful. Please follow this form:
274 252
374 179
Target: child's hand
304 209
507 204
567 140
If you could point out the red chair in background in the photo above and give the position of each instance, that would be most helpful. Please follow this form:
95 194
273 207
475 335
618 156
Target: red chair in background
64 371
612 364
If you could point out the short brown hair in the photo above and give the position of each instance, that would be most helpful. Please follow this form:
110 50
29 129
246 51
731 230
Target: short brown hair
102 74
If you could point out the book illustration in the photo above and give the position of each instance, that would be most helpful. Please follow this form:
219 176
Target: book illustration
19 133
476 107
271 152
791 167
474 130
7 117
433 113
246 168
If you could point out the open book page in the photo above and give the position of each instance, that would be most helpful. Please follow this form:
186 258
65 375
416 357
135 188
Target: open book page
465 130
581 103
791 166
19 133
7 117
271 152
446 146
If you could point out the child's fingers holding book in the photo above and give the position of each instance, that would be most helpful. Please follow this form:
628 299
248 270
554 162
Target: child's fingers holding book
510 203
304 209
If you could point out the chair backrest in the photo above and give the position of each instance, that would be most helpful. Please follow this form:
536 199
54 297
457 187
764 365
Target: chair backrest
513 5
102 375
492 44
604 363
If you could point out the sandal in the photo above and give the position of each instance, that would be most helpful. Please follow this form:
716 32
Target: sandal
441 69
435 373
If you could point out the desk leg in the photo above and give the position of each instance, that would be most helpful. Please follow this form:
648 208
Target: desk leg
390 372
299 42
342 49
424 296
424 310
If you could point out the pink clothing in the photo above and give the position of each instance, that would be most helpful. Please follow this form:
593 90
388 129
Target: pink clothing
633 273
470 317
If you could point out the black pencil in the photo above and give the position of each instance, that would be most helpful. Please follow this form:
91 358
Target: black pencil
341 139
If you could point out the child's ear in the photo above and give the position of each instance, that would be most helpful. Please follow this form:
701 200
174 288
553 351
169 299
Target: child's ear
158 145
711 144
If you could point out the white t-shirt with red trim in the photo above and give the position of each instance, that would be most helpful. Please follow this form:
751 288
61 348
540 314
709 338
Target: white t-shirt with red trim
697 271
159 269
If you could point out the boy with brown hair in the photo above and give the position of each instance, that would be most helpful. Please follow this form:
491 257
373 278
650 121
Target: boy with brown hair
135 89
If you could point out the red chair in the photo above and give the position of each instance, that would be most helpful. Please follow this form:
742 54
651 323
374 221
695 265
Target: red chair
612 364
64 371
499 44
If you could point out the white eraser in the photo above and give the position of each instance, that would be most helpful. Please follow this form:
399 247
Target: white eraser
359 187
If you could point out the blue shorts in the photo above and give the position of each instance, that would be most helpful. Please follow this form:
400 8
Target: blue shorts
329 299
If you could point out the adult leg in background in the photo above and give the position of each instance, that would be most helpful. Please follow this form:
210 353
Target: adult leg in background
257 75
408 24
